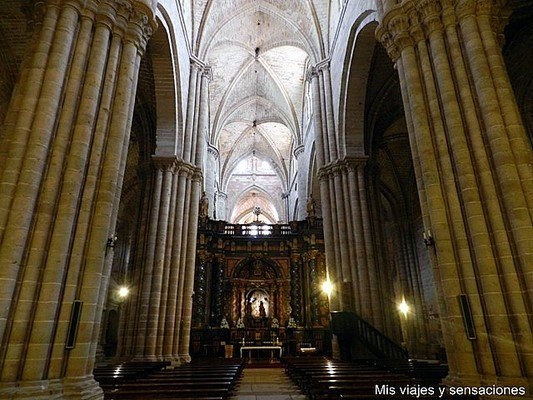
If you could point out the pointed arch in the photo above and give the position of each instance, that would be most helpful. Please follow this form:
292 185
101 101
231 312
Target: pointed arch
169 118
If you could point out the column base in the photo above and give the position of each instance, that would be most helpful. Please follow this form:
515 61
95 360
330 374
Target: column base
173 360
85 388
335 349
185 358
146 359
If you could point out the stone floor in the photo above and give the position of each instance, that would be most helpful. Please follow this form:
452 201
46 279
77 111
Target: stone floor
266 384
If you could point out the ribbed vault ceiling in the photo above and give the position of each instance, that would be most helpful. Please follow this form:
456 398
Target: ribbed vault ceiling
259 52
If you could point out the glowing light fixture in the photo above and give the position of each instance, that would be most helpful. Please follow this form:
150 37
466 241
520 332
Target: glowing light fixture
404 308
123 292
327 287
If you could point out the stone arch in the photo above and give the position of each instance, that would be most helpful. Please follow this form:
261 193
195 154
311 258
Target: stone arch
264 198
270 152
169 118
518 58
270 268
356 73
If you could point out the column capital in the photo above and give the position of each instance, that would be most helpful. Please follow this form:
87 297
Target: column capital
198 64
34 12
327 171
298 151
295 257
411 21
207 72
203 255
323 65
141 26
184 168
432 16
189 171
311 74
197 174
212 150
165 163
353 163
313 255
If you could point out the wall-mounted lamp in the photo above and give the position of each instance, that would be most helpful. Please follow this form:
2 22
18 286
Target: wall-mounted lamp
111 241
428 238
327 287
404 308
123 292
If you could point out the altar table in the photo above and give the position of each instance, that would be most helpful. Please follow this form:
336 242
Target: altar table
271 348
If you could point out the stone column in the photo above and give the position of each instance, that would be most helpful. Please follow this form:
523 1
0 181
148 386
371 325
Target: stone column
296 288
325 81
200 289
476 179
352 234
314 292
221 206
173 256
191 105
217 299
197 156
59 189
303 191
322 155
211 173
152 309
178 263
127 347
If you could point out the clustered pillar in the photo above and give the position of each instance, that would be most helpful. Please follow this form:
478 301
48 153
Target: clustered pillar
346 214
67 130
468 141
161 310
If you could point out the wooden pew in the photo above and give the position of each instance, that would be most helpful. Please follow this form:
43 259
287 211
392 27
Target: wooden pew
198 381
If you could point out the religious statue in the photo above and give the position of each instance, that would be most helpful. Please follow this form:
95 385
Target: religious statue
291 324
311 207
204 206
262 310
240 324
224 323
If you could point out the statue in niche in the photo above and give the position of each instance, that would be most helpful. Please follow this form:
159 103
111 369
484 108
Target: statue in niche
262 311
311 207
258 305
204 206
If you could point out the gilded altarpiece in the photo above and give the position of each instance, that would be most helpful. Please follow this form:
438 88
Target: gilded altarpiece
259 288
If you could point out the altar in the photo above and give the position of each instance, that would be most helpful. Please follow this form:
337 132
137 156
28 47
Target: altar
252 348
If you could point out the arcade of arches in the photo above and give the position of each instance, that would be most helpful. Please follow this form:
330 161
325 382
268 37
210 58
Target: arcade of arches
222 159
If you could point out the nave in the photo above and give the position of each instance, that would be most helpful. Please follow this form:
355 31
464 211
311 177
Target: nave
291 378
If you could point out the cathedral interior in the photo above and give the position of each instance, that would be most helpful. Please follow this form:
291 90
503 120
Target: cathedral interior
181 178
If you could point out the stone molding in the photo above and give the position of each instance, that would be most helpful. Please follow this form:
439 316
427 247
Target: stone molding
341 166
165 163
200 66
412 21
298 151
213 151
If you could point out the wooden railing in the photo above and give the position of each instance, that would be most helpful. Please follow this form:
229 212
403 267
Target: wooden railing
260 229
349 325
377 342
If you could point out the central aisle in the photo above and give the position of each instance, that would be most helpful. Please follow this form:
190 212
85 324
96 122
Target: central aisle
266 384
